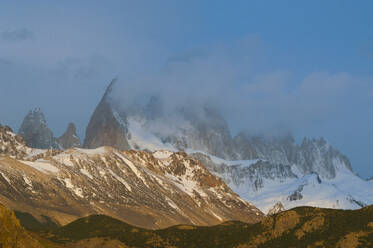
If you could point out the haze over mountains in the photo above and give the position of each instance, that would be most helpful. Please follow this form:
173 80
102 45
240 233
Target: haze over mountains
266 170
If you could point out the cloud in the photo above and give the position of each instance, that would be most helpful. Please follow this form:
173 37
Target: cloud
16 35
261 102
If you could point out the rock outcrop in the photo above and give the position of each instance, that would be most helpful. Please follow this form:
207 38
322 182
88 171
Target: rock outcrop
11 144
69 139
107 126
35 131
277 208
312 156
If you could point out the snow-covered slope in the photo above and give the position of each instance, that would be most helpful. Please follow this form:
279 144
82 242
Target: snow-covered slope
266 184
152 190
261 169
317 175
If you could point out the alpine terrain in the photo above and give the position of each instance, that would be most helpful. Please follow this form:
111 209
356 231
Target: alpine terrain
264 170
146 189
35 132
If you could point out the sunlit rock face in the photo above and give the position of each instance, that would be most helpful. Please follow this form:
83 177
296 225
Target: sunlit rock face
107 126
277 208
152 190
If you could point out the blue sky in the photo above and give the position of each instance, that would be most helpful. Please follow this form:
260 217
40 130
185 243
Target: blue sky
303 66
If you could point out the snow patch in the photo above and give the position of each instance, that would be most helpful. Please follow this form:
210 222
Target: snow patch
162 154
98 151
120 180
5 177
27 181
86 173
42 166
141 138
76 190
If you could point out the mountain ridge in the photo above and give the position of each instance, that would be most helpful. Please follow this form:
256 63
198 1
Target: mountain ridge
251 165
298 227
145 189
36 133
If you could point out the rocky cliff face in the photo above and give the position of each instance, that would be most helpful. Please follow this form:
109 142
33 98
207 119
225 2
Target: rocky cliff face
107 126
69 139
151 190
36 134
312 156
35 131
11 144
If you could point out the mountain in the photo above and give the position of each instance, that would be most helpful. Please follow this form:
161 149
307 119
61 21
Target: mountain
266 183
12 234
151 190
262 169
312 156
277 208
69 139
143 127
299 227
35 132
107 126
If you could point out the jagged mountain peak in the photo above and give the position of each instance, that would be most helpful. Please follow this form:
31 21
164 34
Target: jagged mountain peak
320 143
69 138
35 131
320 157
71 128
107 126
251 162
277 208
149 127
36 115
109 89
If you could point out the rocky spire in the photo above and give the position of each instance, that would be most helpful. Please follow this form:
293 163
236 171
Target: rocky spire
277 208
69 138
320 157
107 126
35 131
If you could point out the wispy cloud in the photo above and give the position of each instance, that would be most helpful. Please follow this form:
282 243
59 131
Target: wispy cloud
266 102
16 35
